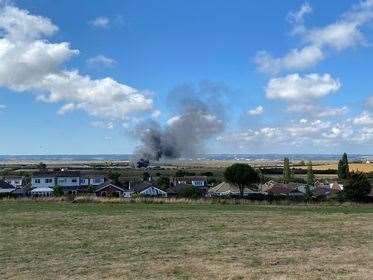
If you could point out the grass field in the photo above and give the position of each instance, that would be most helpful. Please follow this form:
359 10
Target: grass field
184 241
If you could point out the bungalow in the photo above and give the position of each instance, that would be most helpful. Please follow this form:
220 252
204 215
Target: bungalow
109 190
146 189
225 189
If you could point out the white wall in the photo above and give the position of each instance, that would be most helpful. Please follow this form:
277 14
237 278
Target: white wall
68 181
39 182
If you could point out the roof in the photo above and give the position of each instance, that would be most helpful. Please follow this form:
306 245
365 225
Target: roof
280 189
140 186
42 189
4 191
107 184
5 185
321 191
190 178
226 189
13 177
56 174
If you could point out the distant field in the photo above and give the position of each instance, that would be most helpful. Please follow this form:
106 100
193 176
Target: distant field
187 241
363 167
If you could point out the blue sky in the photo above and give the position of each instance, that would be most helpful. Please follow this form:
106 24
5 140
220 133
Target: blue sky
298 73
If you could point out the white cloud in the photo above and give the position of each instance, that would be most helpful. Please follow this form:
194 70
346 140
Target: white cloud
101 22
315 135
103 124
256 111
342 34
364 119
29 62
2 107
295 59
318 111
298 16
101 61
156 114
295 87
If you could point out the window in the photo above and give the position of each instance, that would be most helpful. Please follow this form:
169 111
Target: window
97 180
73 180
37 181
48 181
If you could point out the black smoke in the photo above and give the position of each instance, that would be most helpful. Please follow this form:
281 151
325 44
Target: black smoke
199 115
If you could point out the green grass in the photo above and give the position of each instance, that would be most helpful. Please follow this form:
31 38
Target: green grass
44 240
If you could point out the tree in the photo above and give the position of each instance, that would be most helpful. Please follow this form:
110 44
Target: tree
58 191
163 182
358 187
42 166
241 175
114 176
191 192
287 171
343 169
146 176
310 175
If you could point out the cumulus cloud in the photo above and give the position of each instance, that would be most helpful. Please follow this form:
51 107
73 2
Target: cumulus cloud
30 63
101 61
100 22
344 33
256 111
296 87
295 59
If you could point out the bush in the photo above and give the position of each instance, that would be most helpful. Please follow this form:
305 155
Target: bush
58 191
357 188
191 192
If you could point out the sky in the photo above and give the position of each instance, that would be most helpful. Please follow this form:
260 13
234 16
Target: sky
290 76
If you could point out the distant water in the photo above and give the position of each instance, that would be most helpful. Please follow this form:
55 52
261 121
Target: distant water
208 157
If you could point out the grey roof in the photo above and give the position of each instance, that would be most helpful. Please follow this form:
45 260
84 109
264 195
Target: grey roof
140 186
106 184
5 191
56 174
5 185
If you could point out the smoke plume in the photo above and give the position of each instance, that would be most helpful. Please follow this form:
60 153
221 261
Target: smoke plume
199 115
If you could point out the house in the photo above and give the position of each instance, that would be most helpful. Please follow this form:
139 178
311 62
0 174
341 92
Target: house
226 189
42 192
91 180
108 189
15 181
335 187
196 181
71 182
280 190
6 189
146 189
321 192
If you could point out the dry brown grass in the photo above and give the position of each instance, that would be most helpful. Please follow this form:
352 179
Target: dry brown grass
191 241
362 167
